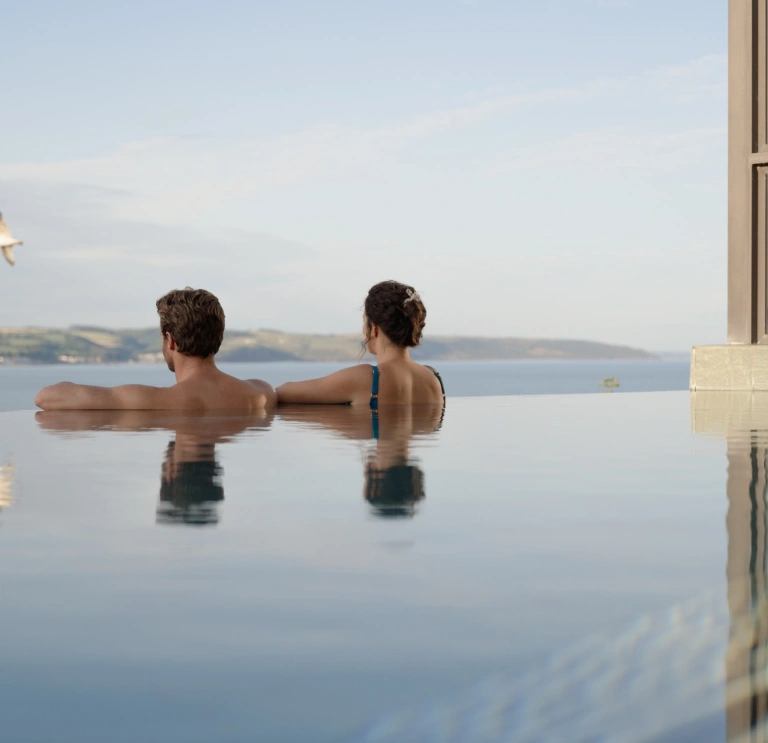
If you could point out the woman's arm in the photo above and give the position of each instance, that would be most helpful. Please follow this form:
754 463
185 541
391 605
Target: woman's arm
340 388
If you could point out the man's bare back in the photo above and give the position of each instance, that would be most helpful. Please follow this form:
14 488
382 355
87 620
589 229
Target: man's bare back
192 326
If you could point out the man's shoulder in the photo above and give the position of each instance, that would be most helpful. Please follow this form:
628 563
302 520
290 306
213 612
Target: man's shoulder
253 390
263 390
223 390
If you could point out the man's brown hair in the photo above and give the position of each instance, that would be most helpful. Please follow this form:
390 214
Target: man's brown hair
195 320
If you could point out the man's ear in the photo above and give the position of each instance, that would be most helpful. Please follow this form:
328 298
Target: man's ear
171 343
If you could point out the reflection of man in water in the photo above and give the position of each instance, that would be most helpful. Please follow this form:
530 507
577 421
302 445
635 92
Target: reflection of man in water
190 490
191 478
394 483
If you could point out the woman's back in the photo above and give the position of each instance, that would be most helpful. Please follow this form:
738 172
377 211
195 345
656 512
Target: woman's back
404 382
393 322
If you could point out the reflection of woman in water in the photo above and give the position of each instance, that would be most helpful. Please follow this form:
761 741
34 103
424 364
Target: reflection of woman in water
394 481
393 322
394 491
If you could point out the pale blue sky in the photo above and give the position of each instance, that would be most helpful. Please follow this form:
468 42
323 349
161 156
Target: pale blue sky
533 168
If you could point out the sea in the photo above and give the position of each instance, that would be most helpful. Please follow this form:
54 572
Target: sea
19 384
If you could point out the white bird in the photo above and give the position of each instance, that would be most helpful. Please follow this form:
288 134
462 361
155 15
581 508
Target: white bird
7 241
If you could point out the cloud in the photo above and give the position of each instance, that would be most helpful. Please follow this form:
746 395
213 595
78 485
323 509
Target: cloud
620 149
704 78
73 222
172 180
611 3
167 178
294 156
290 230
81 261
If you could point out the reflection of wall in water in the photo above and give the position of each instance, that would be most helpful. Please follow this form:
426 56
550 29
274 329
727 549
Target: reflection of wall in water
190 491
747 685
6 486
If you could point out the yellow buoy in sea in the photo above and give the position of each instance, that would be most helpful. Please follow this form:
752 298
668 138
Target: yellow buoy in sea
609 384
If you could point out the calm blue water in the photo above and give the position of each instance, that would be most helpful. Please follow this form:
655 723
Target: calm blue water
526 569
18 385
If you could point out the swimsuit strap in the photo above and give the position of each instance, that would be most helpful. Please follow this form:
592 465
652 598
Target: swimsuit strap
375 389
375 402
439 379
442 388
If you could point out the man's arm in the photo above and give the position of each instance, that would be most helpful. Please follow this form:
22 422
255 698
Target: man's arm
68 396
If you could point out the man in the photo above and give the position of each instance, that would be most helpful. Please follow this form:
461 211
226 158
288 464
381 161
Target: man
192 327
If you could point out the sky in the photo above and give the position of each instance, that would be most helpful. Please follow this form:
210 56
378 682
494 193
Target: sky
538 169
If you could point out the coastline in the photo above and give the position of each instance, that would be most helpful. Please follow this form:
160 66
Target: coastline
24 363
95 345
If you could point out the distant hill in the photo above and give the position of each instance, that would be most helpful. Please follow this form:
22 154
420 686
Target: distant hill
87 344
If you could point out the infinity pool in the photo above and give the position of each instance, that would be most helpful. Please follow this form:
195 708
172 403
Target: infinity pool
517 569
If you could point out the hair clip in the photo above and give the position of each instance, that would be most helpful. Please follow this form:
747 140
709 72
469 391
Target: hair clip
411 296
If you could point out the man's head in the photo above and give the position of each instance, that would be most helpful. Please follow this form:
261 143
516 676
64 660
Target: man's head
191 323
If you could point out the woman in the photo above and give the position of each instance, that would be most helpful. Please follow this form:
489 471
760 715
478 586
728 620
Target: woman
393 322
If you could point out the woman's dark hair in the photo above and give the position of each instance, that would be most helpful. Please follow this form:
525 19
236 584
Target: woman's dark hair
393 492
398 310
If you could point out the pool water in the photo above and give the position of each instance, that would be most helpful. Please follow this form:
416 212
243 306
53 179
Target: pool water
513 569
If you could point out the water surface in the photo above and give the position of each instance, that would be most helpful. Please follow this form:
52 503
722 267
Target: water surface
292 578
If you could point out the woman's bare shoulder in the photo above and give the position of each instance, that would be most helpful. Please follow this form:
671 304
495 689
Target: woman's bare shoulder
432 378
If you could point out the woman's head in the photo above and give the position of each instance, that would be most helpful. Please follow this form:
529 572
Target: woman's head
397 311
393 492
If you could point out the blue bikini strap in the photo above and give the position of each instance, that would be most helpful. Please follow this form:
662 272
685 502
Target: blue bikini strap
439 378
375 389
